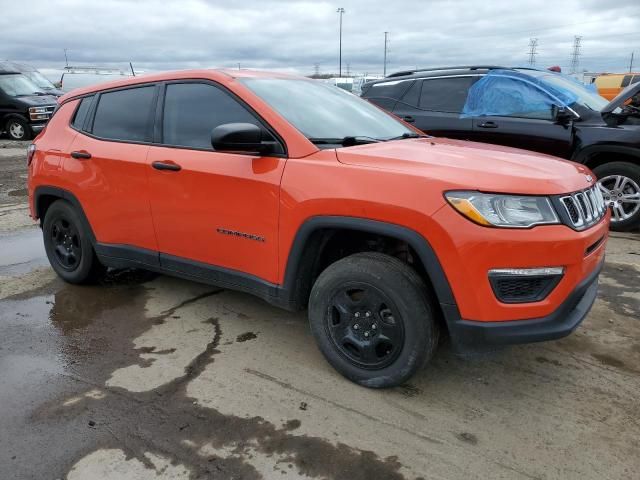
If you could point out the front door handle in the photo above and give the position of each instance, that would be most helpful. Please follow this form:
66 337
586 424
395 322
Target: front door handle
81 155
488 124
408 119
166 165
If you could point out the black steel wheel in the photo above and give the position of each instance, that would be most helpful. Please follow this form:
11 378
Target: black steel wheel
373 320
67 246
364 325
67 242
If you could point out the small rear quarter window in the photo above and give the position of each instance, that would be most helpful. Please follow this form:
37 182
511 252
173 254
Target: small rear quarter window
81 113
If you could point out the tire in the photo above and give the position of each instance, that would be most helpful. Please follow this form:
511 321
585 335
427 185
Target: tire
620 185
18 129
402 331
68 245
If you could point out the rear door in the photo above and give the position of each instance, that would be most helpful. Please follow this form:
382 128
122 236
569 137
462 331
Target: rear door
106 165
434 106
386 94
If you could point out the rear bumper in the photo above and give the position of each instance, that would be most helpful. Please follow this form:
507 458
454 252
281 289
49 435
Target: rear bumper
469 335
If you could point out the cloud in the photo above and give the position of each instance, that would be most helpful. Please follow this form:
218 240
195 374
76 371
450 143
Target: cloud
295 35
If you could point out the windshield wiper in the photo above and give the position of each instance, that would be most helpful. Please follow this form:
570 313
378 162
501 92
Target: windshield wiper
407 135
348 141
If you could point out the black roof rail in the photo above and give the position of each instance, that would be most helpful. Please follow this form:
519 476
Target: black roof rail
463 67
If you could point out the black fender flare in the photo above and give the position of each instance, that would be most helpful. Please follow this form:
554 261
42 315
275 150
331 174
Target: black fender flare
9 115
45 190
418 242
584 154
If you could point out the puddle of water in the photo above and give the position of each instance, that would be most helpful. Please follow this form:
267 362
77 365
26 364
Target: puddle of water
22 252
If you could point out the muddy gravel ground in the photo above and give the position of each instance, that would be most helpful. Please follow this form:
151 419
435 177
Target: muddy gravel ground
149 377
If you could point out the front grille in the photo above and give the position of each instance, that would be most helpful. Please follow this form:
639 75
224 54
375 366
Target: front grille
585 208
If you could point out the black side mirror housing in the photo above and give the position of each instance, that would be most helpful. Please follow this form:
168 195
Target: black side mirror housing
239 137
561 114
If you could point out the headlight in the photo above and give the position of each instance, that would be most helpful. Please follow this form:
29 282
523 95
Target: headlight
496 210
37 109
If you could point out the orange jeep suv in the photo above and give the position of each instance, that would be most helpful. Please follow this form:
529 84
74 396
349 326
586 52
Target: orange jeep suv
309 197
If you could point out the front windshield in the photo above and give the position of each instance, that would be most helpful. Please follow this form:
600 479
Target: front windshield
40 80
18 86
323 111
586 97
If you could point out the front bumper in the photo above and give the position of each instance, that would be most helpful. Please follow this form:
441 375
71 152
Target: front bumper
37 128
470 336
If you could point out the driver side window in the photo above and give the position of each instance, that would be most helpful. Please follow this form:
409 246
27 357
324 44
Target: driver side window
193 110
519 99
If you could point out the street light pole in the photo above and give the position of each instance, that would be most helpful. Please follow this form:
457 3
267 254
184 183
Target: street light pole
341 12
386 36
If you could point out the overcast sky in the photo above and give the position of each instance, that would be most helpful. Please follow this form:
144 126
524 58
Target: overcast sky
293 35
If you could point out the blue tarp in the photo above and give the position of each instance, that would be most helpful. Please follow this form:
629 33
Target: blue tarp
510 93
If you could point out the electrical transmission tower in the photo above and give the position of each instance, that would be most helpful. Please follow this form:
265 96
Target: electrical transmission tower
533 51
316 69
575 54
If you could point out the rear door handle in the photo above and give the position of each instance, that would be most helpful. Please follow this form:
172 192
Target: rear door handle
166 165
81 155
488 124
408 119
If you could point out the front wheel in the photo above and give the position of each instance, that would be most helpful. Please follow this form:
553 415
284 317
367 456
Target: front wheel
372 319
619 183
18 129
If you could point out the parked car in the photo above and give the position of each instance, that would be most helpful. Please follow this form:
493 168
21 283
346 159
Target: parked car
527 108
24 107
609 85
305 195
34 75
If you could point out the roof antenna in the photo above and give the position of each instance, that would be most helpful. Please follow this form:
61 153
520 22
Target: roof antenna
132 71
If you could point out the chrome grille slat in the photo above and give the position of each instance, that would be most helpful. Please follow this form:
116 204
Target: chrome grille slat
584 208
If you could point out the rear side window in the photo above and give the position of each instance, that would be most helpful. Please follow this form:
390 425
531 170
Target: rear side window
626 81
81 113
193 110
386 94
412 97
445 94
125 114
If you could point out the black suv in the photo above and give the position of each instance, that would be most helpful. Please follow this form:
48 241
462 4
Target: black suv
528 108
24 107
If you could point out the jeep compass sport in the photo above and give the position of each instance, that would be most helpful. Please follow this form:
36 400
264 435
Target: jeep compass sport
307 196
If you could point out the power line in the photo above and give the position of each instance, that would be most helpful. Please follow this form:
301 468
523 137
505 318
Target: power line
533 51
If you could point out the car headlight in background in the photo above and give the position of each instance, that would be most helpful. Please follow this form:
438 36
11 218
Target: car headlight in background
498 210
38 113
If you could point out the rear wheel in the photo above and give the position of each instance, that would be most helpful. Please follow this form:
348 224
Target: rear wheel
620 185
68 245
372 319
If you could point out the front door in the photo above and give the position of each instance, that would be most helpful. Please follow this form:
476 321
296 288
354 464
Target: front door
537 134
212 208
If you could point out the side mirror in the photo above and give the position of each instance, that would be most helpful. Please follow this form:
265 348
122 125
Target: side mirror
561 114
238 137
